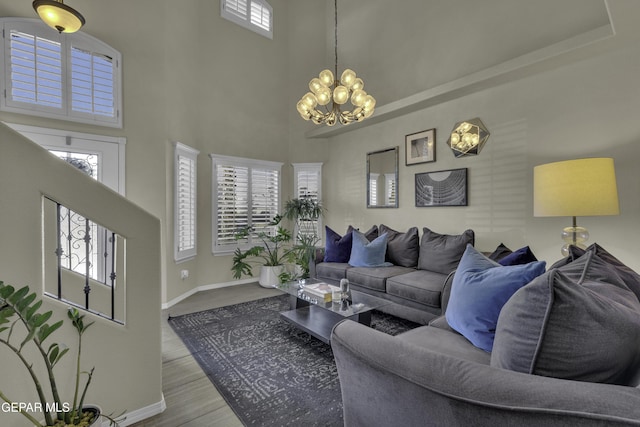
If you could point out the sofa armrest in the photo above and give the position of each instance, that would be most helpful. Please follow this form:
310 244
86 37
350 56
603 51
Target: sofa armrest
388 381
446 292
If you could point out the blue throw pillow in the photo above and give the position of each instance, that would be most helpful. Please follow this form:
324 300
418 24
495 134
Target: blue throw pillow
521 256
368 254
337 247
480 288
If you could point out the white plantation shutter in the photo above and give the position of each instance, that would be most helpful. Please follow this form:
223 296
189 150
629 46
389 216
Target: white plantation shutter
232 211
36 70
92 90
186 160
255 15
72 77
264 198
236 7
308 185
260 15
245 193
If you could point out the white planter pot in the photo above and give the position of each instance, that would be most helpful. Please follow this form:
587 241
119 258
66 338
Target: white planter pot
269 276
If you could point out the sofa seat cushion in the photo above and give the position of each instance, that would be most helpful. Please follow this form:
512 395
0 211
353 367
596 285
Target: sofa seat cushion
332 270
420 286
578 322
374 278
445 342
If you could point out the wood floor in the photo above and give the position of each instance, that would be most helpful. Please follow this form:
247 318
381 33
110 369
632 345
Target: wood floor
191 398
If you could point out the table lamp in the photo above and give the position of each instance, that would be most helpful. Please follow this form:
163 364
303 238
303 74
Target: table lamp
581 187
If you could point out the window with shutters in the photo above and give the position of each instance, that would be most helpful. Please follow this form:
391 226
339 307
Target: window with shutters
246 193
72 77
255 15
307 181
185 202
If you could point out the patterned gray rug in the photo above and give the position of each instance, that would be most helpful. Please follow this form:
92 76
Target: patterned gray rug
270 373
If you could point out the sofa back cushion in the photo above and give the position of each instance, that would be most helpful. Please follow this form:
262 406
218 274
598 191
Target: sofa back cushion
337 247
480 289
368 254
402 248
442 252
630 277
578 322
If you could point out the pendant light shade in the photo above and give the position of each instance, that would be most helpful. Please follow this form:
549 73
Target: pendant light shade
59 16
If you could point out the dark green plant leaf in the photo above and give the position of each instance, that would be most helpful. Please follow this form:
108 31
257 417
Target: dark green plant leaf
25 302
18 295
6 290
32 310
47 330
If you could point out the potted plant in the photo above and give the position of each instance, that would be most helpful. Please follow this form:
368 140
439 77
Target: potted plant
271 254
304 212
21 309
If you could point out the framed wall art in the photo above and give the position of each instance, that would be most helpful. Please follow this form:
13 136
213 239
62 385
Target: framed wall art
420 147
442 188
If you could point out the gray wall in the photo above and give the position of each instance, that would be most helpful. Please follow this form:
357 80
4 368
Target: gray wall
570 104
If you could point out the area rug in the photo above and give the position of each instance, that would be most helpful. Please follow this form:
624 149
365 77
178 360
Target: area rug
269 372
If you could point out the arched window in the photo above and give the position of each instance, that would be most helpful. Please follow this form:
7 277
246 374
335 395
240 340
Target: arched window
73 77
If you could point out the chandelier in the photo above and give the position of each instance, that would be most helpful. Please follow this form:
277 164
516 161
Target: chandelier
59 16
332 94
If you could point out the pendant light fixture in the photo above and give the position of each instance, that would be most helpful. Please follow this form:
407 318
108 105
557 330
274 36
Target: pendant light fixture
59 16
333 94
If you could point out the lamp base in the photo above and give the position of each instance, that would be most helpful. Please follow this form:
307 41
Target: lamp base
575 236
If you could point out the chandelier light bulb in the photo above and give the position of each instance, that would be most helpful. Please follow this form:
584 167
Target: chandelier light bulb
315 85
357 84
310 100
324 96
326 77
348 78
358 97
340 95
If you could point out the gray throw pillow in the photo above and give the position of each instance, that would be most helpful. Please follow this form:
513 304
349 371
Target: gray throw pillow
441 253
402 248
578 322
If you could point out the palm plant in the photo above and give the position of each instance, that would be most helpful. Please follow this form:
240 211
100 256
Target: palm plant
21 307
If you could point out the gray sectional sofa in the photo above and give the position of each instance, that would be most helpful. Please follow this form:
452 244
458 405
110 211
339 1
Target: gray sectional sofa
413 287
566 353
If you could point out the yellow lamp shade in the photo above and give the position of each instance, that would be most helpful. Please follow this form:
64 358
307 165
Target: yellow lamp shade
582 187
59 16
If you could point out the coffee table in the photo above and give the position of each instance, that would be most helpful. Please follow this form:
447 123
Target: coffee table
318 318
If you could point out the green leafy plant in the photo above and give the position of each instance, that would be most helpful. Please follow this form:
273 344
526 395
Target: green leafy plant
22 307
272 252
304 212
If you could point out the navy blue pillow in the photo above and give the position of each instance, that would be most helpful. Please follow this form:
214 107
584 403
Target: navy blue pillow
521 256
337 247
481 287
368 254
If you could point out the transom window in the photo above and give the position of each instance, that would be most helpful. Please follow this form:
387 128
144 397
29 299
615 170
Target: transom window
71 77
255 15
246 193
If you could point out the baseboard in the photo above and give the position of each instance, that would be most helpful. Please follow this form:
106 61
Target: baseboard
140 414
193 291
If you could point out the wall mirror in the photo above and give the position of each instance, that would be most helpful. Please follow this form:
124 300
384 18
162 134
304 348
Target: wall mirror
382 178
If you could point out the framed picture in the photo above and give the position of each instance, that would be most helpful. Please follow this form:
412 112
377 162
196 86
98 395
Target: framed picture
442 188
420 147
